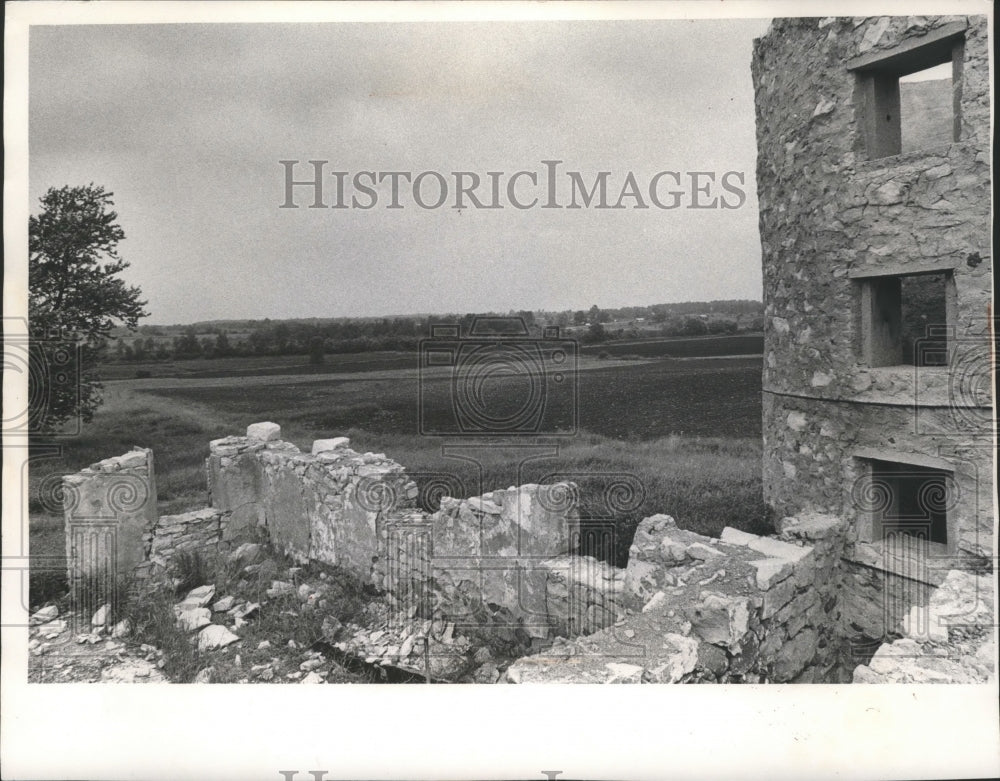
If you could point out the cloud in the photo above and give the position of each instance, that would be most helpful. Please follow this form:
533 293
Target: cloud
187 123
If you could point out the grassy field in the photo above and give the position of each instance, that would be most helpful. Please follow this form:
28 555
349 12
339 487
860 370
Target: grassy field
260 365
682 347
269 365
673 436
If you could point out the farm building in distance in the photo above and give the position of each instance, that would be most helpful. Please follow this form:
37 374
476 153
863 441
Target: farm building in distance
874 189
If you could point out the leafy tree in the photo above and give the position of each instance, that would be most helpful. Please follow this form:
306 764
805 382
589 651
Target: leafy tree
281 334
139 350
595 333
222 346
694 326
187 346
316 348
75 299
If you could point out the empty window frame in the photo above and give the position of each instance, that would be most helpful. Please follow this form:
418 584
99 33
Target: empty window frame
909 97
906 319
910 500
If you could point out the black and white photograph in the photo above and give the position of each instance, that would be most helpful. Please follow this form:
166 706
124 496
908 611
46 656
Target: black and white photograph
491 348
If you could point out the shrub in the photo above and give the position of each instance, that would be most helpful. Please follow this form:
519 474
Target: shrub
191 570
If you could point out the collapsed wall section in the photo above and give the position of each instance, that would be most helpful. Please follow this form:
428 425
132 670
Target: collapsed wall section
491 560
741 608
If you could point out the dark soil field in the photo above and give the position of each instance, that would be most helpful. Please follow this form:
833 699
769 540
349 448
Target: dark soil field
717 397
682 347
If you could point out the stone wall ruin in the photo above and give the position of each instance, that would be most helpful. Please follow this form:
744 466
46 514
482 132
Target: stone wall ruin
686 608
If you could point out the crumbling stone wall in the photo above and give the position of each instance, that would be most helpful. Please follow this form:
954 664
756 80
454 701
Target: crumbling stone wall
198 531
836 214
492 560
484 560
741 608
110 511
949 642
329 505
500 567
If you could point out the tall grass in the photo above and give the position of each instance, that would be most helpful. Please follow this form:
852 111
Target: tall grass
705 483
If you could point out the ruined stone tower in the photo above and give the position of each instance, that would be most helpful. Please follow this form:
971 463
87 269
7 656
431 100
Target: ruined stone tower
874 191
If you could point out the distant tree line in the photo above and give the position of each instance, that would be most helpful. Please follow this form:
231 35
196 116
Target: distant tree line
316 337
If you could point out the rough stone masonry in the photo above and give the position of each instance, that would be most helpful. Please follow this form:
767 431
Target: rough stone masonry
877 294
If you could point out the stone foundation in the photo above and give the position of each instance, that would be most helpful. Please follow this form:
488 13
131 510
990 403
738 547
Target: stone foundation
741 608
500 568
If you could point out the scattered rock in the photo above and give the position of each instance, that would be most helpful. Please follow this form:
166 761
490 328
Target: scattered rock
264 432
264 672
245 555
407 647
486 673
332 628
101 616
46 614
204 675
53 629
324 445
249 610
199 597
655 601
215 636
194 618
224 605
263 645
699 550
280 588
132 671
624 673
122 629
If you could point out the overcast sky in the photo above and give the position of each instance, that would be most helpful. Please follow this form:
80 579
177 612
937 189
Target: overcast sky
186 125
